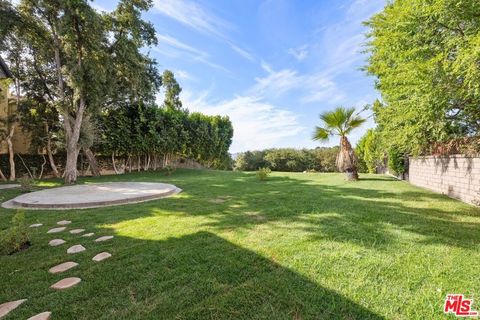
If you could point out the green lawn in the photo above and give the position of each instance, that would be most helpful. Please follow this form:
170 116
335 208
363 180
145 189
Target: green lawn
299 246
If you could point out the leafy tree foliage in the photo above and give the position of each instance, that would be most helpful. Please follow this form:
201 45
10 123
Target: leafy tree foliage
148 132
396 161
369 152
288 160
172 91
78 60
425 56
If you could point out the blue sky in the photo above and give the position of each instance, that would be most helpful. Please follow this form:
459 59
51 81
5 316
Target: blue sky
272 66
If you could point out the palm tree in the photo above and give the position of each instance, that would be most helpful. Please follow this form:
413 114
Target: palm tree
340 122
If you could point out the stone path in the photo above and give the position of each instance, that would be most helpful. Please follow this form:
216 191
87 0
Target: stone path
56 230
41 316
56 242
104 238
101 256
6 307
76 249
65 283
63 267
77 231
36 225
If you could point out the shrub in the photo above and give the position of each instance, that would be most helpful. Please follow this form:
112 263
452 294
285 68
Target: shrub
288 159
263 173
396 161
169 170
16 237
26 183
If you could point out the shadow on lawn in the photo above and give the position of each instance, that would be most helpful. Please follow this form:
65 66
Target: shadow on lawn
348 212
197 276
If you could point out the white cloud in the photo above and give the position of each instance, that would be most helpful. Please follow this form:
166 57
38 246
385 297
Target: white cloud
299 53
166 43
198 18
315 87
182 74
257 124
276 83
244 53
173 42
193 15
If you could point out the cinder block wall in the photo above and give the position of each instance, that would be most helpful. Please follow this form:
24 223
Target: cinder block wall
457 176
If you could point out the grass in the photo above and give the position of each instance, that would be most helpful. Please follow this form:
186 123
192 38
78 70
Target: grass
298 246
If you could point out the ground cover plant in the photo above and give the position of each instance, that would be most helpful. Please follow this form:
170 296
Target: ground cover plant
297 246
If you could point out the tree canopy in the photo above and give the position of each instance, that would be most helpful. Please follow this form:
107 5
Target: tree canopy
425 56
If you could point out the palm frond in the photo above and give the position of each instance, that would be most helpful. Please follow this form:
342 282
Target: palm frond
356 122
321 134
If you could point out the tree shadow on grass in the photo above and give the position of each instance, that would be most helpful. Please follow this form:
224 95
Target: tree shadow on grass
347 212
363 214
197 276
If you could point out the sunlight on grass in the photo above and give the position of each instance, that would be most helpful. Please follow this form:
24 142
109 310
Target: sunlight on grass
307 244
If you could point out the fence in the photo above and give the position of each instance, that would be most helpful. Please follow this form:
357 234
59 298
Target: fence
456 176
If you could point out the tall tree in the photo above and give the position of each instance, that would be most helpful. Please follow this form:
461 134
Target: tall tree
425 57
81 47
341 122
172 91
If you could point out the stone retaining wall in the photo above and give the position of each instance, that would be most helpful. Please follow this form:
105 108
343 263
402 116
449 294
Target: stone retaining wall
456 176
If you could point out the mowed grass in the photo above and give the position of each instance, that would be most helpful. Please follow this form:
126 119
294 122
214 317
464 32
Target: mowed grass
298 246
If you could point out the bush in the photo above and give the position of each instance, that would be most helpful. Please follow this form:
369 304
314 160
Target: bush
16 237
263 173
288 159
26 183
396 161
169 170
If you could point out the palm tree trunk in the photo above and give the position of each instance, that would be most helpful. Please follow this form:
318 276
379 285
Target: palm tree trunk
347 160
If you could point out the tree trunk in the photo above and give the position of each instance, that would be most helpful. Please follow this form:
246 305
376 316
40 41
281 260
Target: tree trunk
51 160
11 154
42 167
113 163
347 160
2 176
71 164
147 162
92 162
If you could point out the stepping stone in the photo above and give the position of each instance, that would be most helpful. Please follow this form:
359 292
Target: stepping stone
6 307
101 256
66 283
76 231
104 238
36 225
76 249
217 200
56 242
55 230
63 267
64 222
88 234
41 316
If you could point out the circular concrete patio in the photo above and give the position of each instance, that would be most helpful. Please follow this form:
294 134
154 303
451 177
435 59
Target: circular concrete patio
92 195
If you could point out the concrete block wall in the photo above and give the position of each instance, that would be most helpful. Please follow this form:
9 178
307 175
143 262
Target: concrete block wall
456 176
